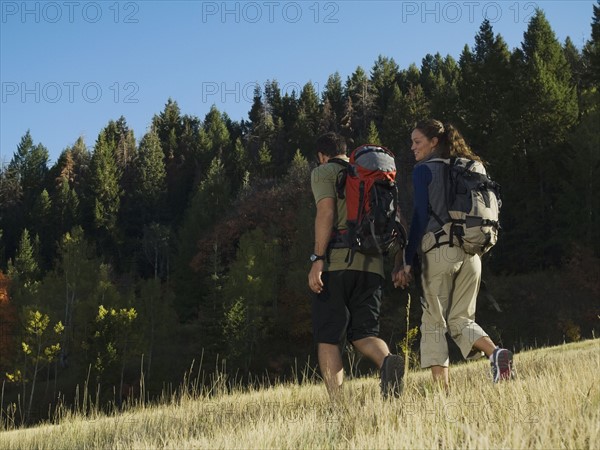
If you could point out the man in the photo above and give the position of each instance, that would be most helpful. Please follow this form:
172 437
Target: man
347 297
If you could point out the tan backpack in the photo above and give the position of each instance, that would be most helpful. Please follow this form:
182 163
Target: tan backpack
474 203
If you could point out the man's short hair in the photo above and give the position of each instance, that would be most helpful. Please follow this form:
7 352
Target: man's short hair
331 144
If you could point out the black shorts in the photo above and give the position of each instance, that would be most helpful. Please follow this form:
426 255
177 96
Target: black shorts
347 307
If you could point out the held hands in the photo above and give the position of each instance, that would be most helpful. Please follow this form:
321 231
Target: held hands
402 276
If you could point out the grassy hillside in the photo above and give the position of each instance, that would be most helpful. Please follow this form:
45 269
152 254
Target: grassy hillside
555 403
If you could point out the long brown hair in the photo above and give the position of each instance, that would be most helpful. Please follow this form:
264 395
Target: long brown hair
450 142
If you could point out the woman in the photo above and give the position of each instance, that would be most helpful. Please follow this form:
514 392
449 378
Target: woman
450 276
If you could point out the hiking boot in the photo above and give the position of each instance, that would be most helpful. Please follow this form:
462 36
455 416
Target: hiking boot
502 365
392 372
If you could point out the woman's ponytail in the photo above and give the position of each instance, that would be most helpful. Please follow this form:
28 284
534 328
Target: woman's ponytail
450 142
457 147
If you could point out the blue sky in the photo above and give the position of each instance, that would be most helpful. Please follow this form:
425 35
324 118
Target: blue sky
68 67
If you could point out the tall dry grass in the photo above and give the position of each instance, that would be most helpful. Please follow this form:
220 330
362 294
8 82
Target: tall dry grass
555 403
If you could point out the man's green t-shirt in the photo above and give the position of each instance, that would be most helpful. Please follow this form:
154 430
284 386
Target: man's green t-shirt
323 184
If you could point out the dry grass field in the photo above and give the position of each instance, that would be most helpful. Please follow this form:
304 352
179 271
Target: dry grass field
554 403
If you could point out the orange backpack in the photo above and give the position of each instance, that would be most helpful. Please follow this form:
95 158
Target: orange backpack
368 183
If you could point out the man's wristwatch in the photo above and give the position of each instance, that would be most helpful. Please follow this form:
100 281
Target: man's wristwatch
315 257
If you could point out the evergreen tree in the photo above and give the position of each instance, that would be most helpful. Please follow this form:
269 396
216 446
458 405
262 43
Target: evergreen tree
196 147
303 137
156 245
120 137
167 126
409 77
576 64
591 51
239 165
11 210
392 134
24 271
29 165
384 77
540 126
484 92
430 67
307 122
65 207
156 317
273 101
373 136
81 160
73 168
328 119
289 113
35 170
265 162
258 108
249 294
290 317
360 90
439 79
105 192
262 127
41 216
24 148
2 248
217 133
68 187
580 199
552 101
122 142
145 201
298 172
210 202
281 147
186 155
346 126
333 94
63 169
403 114
147 198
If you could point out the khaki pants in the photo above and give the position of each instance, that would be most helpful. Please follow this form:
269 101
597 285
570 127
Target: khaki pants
450 284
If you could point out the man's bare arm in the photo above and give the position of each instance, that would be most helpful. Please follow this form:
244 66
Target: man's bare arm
323 227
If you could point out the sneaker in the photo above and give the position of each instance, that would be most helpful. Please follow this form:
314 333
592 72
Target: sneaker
392 372
502 365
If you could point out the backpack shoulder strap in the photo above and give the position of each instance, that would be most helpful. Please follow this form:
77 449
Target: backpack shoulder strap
448 163
340 185
440 160
340 161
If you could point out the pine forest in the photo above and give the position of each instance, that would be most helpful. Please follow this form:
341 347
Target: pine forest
142 256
